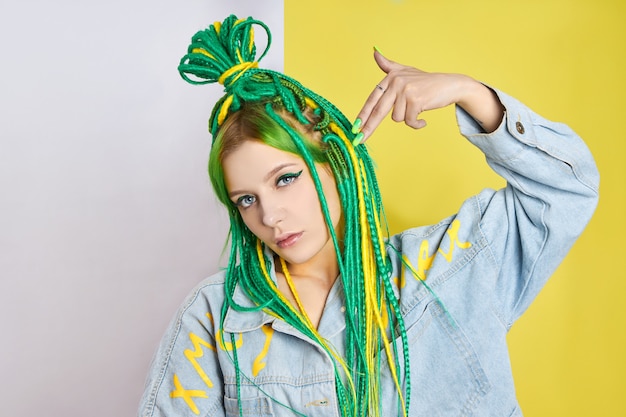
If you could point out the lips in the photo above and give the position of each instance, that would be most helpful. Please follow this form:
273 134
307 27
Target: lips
285 241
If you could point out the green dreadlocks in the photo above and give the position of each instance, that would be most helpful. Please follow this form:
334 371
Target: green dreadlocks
292 118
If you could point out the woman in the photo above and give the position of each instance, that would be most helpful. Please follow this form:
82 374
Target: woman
318 313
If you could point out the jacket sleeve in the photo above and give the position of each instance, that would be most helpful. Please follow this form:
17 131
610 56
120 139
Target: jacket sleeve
551 193
185 377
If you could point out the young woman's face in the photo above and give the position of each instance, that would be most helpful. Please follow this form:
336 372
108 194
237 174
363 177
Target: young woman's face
276 197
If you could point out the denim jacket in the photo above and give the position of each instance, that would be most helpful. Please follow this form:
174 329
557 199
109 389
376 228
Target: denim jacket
484 265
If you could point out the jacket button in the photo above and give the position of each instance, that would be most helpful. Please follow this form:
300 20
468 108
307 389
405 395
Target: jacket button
520 127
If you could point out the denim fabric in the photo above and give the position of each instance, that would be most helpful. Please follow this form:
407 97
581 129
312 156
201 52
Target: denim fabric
484 266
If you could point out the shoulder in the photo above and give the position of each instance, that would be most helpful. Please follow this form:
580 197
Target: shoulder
464 225
208 295
204 300
185 351
433 254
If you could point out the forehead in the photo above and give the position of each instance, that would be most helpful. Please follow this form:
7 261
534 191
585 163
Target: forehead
252 161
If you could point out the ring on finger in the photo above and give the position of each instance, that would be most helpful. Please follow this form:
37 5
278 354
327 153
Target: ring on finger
380 88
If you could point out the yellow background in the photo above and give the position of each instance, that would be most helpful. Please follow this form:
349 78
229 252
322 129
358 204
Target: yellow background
566 60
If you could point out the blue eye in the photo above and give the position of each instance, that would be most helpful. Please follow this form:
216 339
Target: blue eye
245 201
287 179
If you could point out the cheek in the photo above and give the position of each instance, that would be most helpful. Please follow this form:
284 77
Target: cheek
305 204
249 220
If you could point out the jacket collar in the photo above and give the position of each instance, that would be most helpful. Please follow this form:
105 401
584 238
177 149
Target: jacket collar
246 321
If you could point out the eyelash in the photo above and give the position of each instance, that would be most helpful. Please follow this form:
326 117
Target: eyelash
291 177
240 201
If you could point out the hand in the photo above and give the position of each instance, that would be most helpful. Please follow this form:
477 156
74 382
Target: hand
407 92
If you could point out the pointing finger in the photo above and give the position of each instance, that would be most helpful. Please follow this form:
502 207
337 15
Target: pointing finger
381 108
369 105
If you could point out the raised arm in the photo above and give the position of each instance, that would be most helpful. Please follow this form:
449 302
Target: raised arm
552 180
407 92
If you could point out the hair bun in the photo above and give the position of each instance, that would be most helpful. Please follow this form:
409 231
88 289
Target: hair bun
223 53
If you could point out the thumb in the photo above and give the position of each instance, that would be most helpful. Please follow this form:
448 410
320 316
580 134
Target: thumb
383 63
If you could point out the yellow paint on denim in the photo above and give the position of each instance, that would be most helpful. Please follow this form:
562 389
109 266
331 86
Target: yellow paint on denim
187 395
228 346
197 352
453 233
258 363
401 282
425 261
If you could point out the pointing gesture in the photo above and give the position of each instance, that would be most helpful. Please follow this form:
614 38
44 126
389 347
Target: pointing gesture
407 92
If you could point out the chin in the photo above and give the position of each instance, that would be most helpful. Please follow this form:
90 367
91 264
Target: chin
294 259
294 255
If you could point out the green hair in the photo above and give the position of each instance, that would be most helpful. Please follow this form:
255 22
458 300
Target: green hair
253 123
276 109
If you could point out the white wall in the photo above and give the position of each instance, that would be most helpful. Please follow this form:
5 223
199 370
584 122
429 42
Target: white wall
106 215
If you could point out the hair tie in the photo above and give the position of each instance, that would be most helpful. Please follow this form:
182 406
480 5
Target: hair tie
238 70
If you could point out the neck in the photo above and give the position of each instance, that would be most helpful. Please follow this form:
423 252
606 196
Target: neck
324 268
307 287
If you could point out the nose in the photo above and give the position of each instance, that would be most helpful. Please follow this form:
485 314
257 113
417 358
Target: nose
272 213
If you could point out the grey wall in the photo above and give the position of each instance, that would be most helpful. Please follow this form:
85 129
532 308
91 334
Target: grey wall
106 215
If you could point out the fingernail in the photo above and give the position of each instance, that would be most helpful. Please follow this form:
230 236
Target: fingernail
357 139
377 50
356 126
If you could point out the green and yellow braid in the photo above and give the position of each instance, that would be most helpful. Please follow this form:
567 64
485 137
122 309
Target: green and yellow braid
225 53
